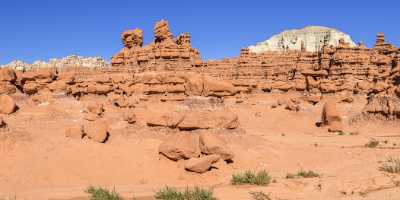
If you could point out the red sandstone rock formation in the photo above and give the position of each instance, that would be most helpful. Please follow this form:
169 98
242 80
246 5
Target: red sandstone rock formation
331 117
165 53
161 69
7 80
7 105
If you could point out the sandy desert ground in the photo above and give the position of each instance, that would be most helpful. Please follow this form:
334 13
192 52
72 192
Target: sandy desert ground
39 162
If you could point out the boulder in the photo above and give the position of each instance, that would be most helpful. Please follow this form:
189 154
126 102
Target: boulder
122 101
7 75
129 116
31 87
212 144
57 86
97 88
75 131
7 105
201 165
96 131
331 117
218 88
194 85
209 119
180 146
95 108
91 117
7 88
46 75
165 119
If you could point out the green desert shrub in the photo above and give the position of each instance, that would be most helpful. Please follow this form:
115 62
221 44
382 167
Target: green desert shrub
303 174
372 143
98 193
170 193
259 195
391 165
249 177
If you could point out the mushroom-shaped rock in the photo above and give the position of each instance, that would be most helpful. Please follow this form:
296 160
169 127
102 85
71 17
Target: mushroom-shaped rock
97 131
75 131
201 165
212 144
331 117
7 105
180 146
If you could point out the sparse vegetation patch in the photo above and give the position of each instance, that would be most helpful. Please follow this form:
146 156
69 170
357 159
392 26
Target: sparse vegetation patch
391 165
259 195
252 178
303 174
98 193
170 193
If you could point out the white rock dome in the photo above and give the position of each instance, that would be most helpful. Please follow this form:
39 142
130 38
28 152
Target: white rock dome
313 37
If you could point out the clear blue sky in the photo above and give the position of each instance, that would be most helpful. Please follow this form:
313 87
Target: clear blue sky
41 29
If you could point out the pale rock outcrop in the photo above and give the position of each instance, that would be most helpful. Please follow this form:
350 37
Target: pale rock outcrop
310 38
72 61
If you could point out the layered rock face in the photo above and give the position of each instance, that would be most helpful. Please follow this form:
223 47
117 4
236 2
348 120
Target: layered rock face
171 69
310 38
335 69
72 61
165 53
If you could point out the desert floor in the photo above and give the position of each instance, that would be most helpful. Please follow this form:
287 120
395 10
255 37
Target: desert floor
39 162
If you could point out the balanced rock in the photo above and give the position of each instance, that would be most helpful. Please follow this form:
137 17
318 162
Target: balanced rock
7 105
180 146
201 165
212 144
